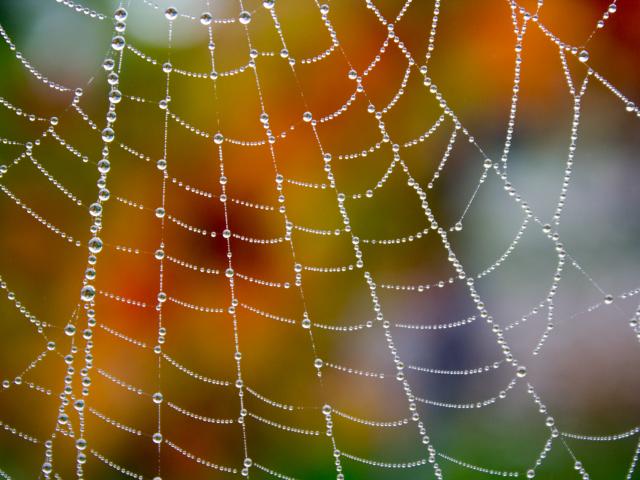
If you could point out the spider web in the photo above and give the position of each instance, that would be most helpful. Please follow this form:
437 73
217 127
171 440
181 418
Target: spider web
270 254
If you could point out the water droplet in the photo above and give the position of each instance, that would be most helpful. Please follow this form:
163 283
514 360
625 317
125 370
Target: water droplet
307 117
115 96
218 138
521 372
87 293
104 165
104 194
95 209
113 78
171 13
95 245
157 398
245 17
120 15
117 42
608 299
108 134
229 272
157 437
206 18
352 74
583 56
90 273
268 4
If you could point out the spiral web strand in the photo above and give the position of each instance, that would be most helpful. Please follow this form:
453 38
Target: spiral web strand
81 371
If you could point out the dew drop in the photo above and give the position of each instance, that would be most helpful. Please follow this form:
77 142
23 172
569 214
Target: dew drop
115 96
206 18
583 56
95 245
87 293
108 134
245 17
120 15
171 13
95 209
104 166
108 64
117 42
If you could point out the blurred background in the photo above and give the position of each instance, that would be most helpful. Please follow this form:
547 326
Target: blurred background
585 371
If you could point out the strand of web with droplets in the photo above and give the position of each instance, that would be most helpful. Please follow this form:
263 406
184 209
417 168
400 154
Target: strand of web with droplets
63 420
162 297
306 322
88 291
247 462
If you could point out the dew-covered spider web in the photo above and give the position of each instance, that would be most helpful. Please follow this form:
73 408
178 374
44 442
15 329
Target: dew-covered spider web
292 239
